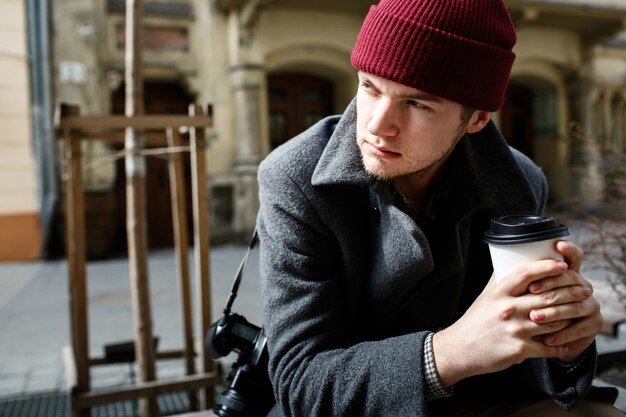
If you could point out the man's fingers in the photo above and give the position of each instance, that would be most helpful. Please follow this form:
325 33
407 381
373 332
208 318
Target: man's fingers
541 350
568 278
518 281
572 253
539 330
570 310
585 330
537 303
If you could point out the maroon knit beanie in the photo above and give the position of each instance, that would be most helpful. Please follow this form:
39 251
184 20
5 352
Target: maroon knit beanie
460 50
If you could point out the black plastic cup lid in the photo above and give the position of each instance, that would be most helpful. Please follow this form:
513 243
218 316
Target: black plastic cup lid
511 230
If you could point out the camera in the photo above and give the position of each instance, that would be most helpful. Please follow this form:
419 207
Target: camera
247 390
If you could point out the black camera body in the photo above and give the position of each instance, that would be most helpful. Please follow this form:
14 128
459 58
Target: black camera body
247 387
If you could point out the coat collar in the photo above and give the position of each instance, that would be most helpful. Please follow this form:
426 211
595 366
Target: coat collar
341 162
488 174
485 165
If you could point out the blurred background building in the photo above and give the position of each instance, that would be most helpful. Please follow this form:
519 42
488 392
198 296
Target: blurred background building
270 68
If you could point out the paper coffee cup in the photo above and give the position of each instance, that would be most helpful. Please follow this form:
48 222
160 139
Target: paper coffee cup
519 239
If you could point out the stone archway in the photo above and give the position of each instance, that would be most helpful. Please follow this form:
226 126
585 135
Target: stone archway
316 71
296 101
531 121
516 118
323 61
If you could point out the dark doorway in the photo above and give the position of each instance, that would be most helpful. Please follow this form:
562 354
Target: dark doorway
516 118
296 102
160 97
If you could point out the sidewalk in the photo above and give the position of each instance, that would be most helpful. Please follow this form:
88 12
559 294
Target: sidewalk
34 315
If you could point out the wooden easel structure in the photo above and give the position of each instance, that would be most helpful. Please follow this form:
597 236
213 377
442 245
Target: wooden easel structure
164 132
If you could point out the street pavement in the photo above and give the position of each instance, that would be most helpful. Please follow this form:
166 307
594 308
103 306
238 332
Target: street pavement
34 315
35 326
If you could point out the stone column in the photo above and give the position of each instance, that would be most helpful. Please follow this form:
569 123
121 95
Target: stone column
607 123
246 84
617 137
585 185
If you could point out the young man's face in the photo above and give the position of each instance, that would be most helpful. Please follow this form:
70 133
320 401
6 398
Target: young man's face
403 132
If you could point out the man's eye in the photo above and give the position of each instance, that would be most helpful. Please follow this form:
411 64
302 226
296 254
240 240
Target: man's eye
418 105
368 87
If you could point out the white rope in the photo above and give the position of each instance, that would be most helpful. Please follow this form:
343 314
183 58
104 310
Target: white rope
106 157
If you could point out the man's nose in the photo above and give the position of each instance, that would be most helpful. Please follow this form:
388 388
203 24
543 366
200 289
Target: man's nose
383 119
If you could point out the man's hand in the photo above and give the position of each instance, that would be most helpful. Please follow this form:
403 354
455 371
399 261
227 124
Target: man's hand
585 316
544 309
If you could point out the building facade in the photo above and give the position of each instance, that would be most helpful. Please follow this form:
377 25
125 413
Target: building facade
270 68
20 227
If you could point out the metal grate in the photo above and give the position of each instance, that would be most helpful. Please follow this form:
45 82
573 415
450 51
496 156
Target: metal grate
36 405
53 404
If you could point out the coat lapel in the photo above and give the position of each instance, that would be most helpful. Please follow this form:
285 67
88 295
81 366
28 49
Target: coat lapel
399 253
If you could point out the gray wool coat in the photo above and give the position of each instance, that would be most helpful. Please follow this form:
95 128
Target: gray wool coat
351 284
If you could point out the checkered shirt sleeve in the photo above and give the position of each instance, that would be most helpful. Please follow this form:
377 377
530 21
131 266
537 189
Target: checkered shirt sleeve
434 388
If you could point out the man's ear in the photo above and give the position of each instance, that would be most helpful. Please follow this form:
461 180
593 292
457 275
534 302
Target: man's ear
478 121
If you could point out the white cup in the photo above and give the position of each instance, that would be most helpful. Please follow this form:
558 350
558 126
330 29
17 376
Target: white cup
519 239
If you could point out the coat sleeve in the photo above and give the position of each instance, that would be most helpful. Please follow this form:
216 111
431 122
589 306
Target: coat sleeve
565 389
314 368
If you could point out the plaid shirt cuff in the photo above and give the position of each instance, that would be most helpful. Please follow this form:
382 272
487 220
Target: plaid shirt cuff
434 388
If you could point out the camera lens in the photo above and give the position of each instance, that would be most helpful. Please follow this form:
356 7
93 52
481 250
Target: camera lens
231 404
248 395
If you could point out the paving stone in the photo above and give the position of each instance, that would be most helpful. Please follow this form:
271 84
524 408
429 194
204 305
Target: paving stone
12 385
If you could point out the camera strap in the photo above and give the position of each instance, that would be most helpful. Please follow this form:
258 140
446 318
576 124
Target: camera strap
239 274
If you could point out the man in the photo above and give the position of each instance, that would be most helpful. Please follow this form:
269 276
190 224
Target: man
378 297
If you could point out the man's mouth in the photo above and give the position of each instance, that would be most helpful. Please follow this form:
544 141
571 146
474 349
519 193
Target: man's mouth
380 151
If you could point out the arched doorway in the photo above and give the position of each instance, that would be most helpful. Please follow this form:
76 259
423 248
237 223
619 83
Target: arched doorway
160 97
296 102
529 121
516 118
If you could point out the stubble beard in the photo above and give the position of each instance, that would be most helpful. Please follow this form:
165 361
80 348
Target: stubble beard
382 174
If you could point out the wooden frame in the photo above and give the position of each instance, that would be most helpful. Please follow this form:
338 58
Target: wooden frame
162 130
